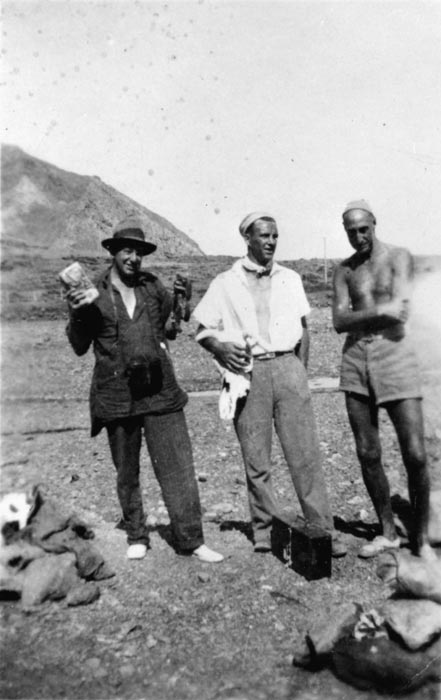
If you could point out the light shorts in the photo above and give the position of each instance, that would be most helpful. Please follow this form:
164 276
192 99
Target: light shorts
382 365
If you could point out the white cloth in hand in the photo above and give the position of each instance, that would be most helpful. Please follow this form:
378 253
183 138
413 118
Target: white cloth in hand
234 385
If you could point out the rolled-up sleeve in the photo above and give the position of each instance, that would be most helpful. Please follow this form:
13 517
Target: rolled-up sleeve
303 303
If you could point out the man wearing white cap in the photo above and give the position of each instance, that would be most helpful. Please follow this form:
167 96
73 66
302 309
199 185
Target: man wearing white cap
379 368
134 389
264 305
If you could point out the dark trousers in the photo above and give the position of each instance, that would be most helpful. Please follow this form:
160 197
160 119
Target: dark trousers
169 447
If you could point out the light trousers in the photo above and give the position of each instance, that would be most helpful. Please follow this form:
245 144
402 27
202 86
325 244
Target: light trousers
279 395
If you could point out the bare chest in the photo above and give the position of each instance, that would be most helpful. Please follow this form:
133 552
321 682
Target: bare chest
370 283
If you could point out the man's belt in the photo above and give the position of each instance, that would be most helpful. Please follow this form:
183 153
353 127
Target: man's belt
272 355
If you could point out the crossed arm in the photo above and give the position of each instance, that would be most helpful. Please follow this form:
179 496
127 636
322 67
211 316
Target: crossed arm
373 315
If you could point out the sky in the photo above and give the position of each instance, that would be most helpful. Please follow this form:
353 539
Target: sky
204 111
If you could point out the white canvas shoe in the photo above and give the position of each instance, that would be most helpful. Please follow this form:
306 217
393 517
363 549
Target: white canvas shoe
427 553
136 551
203 553
378 545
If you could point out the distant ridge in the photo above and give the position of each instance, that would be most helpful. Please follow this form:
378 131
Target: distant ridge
53 213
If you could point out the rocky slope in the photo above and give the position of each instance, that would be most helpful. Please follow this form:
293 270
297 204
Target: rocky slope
54 213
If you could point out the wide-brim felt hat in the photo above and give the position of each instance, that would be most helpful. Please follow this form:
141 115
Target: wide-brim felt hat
128 232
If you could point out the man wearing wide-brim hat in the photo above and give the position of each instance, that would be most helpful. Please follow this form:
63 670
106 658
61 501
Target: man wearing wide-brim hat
134 389
130 230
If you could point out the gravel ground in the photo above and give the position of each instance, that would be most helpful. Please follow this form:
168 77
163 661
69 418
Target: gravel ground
169 627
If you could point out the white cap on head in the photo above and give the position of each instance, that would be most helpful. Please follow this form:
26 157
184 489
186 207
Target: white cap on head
251 218
358 204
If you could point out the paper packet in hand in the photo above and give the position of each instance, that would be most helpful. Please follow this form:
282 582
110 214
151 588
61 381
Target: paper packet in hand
74 277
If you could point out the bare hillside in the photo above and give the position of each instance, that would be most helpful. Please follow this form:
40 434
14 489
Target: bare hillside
54 213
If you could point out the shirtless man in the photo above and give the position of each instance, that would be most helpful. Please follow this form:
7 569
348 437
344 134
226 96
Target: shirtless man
379 368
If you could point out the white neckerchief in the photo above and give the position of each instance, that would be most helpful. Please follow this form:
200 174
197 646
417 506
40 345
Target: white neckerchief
251 266
127 293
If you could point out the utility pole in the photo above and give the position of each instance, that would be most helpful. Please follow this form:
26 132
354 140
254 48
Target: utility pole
325 262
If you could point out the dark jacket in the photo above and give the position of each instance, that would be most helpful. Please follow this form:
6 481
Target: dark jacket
118 340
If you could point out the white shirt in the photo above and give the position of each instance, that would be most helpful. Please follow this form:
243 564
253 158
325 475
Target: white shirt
228 306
